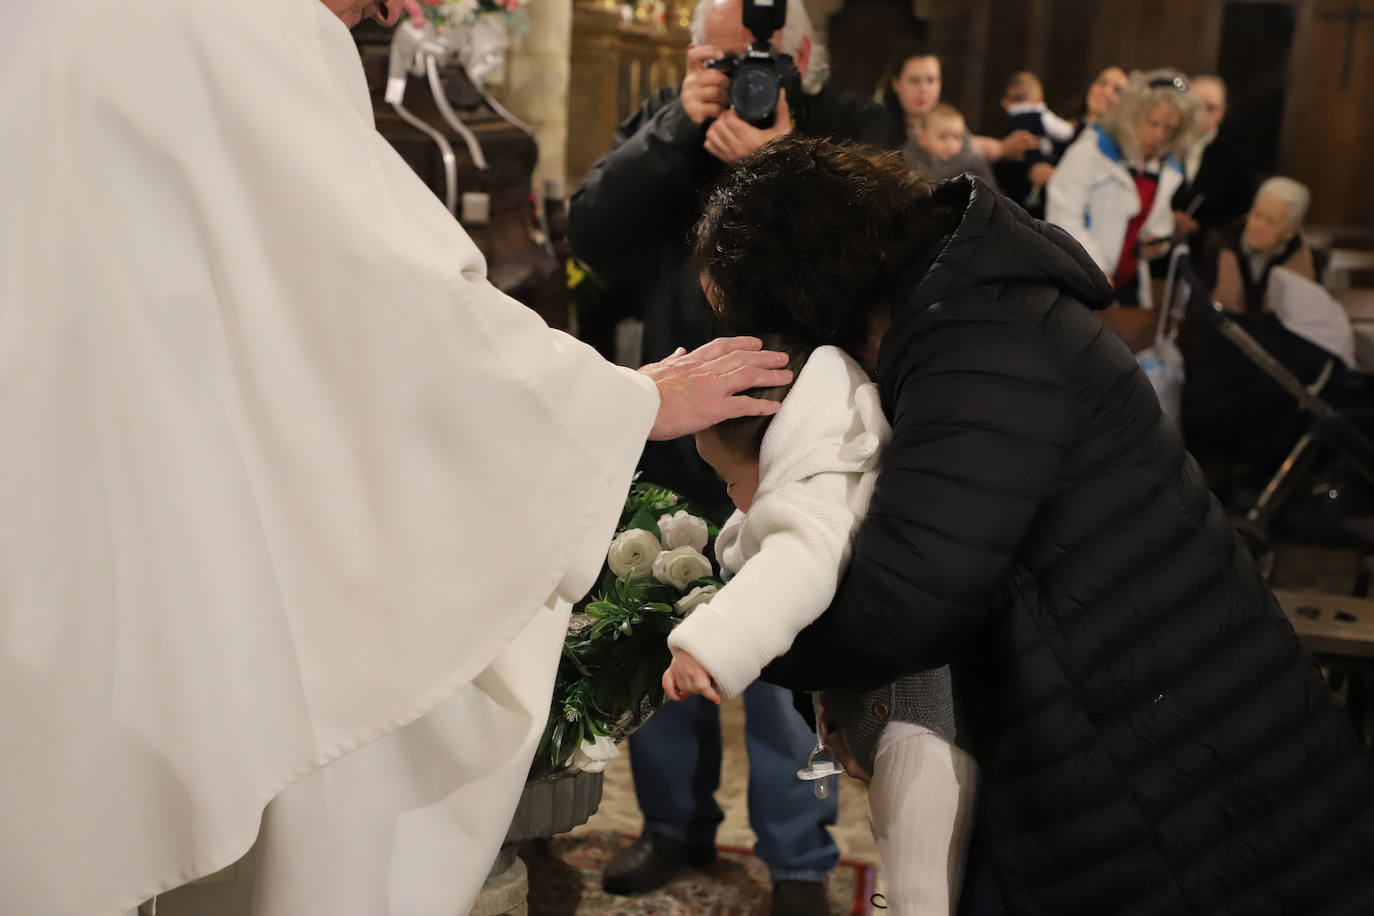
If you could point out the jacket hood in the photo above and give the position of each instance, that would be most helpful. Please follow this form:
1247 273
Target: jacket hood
997 243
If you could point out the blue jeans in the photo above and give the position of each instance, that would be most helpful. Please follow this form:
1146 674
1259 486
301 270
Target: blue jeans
675 757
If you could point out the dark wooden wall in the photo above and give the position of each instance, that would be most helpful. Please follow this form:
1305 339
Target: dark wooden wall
1286 61
1328 127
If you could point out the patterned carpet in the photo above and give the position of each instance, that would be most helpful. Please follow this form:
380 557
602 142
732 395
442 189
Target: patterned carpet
565 880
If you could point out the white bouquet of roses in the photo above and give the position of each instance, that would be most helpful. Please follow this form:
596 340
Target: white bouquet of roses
657 570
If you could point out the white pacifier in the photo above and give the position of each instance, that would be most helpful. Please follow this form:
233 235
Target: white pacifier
820 765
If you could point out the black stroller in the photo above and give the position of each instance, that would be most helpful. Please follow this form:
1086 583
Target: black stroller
1250 377
1330 408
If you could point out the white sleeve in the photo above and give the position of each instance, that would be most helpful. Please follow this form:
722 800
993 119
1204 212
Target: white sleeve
1066 199
803 531
1056 128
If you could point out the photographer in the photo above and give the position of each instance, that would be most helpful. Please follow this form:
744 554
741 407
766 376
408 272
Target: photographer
630 218
630 222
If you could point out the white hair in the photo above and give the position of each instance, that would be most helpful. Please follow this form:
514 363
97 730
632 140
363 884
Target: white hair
1293 193
798 27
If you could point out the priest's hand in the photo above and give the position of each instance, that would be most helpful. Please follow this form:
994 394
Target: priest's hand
686 676
700 389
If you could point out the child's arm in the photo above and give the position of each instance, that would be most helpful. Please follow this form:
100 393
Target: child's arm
803 530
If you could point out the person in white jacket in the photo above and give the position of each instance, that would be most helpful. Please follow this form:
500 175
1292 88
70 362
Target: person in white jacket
1114 187
801 486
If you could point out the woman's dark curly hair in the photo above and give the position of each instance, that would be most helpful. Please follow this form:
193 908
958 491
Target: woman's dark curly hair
807 238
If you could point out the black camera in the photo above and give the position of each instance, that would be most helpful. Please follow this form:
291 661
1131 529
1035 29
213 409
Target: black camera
758 76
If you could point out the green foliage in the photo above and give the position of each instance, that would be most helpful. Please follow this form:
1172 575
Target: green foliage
611 670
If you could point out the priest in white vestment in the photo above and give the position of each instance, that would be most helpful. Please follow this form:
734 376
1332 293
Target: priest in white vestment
292 500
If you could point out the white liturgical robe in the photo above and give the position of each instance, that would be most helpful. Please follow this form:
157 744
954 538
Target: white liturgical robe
291 498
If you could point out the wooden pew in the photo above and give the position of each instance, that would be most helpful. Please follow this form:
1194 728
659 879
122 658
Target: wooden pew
1339 631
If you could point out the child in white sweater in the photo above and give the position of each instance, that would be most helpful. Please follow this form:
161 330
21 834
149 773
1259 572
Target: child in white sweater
801 482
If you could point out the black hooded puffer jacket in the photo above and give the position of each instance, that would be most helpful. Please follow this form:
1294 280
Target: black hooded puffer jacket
1152 738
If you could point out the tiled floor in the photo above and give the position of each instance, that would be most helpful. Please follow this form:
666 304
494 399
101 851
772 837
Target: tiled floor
619 811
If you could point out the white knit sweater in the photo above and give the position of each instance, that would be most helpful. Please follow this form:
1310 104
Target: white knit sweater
817 468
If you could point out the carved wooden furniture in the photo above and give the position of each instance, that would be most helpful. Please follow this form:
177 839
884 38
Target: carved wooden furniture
517 263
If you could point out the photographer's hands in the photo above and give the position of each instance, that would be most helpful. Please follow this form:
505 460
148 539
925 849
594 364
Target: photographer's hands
705 97
731 137
705 92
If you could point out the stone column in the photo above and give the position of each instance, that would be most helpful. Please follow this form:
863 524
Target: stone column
536 86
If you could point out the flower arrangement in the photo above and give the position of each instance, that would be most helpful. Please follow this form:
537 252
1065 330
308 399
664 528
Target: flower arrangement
441 14
608 682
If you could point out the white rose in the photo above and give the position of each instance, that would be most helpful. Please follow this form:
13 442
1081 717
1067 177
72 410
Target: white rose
694 599
680 566
683 529
633 552
592 756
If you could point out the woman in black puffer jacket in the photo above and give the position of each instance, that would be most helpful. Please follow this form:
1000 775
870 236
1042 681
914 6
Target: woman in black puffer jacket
1152 738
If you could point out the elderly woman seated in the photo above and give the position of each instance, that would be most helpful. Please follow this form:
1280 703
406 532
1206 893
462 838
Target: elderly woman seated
1270 237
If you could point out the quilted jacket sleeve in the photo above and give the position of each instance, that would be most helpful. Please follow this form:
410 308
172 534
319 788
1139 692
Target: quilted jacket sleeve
981 422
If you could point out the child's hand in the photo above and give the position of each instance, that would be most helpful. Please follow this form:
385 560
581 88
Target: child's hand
685 676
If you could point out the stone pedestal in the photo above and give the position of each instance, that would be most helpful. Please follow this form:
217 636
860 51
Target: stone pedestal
507 889
549 805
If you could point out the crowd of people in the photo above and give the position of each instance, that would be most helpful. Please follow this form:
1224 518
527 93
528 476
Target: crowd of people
1029 605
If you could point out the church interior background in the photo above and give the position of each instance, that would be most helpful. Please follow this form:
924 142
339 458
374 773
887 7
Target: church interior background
1302 78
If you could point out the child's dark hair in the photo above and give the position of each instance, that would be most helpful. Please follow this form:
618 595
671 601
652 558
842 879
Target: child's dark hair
743 436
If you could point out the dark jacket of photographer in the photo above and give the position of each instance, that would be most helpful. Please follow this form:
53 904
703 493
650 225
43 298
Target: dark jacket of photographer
630 221
1151 736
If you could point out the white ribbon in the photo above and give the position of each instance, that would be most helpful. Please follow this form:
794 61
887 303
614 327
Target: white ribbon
420 52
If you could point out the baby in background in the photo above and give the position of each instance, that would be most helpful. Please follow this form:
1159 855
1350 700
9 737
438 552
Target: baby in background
942 149
801 482
1024 103
1024 181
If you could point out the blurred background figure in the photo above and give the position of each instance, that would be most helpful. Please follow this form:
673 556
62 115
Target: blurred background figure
941 147
1102 94
1024 180
911 91
1217 180
1113 189
1270 237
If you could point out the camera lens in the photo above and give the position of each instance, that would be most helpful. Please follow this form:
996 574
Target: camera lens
754 94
